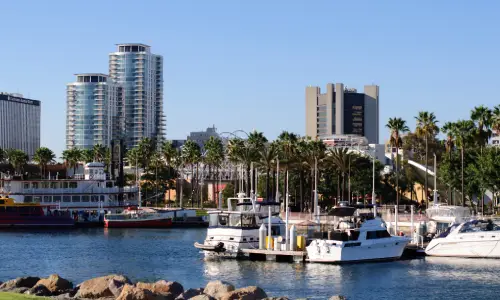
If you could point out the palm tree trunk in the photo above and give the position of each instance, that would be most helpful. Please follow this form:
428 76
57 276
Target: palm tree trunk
397 177
450 196
273 186
268 171
426 168
192 184
301 189
248 180
462 154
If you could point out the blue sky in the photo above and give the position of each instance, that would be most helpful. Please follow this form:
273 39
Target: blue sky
245 64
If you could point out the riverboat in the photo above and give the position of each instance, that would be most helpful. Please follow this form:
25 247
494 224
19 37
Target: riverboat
86 196
359 238
14 214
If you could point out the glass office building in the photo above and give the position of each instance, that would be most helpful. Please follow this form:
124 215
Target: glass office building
140 73
93 111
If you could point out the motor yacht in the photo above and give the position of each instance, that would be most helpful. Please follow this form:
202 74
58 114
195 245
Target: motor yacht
356 238
230 230
476 238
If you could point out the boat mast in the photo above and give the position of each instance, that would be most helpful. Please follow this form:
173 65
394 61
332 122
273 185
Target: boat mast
435 181
374 196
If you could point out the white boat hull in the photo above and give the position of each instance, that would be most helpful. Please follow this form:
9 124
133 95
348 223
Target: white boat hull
234 240
485 245
368 250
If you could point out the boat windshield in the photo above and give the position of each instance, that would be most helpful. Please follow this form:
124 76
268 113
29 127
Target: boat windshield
232 220
479 225
447 231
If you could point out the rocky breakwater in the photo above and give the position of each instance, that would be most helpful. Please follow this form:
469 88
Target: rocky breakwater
118 287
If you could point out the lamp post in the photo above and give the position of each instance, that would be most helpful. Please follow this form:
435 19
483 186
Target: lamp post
374 201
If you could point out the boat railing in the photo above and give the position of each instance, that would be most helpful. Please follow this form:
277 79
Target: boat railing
93 190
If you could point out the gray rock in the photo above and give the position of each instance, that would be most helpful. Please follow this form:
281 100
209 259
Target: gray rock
276 298
19 290
246 293
116 287
39 290
66 296
338 297
218 288
27 282
190 293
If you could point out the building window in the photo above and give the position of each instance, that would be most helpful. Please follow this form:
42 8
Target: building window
66 198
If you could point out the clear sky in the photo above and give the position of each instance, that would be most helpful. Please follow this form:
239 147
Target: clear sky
245 64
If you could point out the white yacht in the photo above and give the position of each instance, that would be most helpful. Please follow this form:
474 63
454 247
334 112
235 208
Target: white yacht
442 216
230 230
356 239
476 238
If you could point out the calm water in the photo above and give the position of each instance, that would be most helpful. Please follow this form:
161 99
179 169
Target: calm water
169 254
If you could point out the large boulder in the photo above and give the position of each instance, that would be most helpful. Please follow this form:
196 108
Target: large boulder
189 294
39 290
218 288
130 292
55 284
20 282
170 289
202 297
246 293
99 287
116 287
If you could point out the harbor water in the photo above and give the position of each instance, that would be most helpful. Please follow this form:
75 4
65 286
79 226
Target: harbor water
151 254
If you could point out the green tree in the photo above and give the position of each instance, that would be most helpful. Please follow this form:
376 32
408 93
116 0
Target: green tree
214 157
463 132
72 157
397 126
340 159
87 155
266 162
482 116
427 129
287 148
191 155
146 149
99 152
18 159
169 154
43 156
447 129
2 155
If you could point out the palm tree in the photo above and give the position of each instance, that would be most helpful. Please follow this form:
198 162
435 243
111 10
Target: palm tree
146 149
17 158
397 126
340 159
169 153
426 128
311 151
2 155
462 131
42 157
72 157
214 157
495 120
99 152
87 155
255 143
287 147
482 116
191 154
235 151
448 129
267 157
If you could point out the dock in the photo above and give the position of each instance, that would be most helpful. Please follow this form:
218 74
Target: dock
274 255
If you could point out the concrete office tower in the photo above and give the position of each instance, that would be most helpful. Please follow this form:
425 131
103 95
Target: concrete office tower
19 123
343 110
140 73
93 111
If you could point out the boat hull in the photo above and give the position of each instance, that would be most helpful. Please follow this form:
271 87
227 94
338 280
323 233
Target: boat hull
158 223
472 247
366 251
35 221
